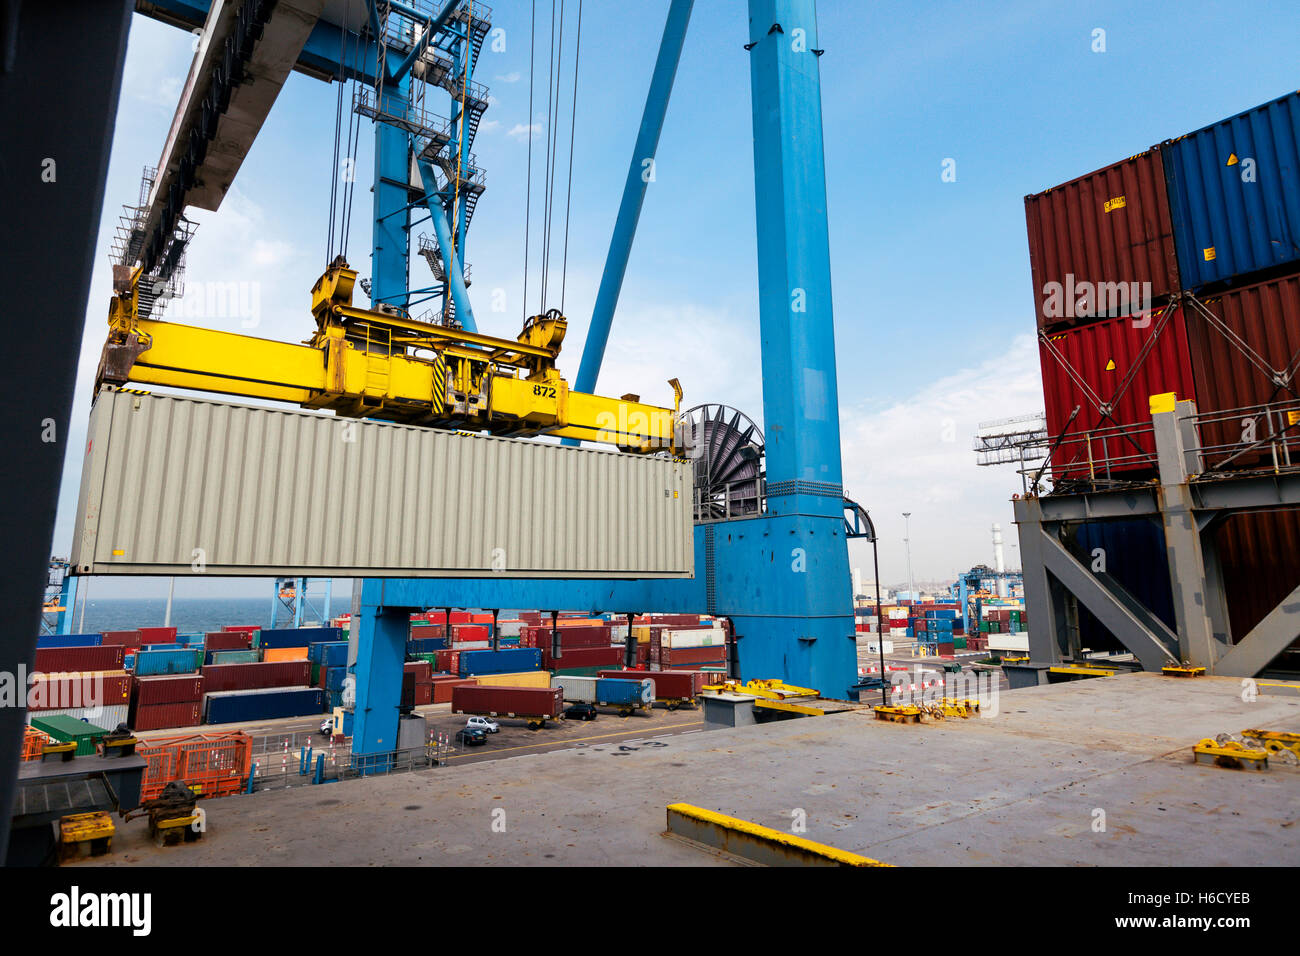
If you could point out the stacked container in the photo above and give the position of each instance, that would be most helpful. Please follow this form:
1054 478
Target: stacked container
1230 213
1226 230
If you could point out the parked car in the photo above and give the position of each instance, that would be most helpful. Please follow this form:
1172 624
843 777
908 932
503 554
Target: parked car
471 737
483 724
580 712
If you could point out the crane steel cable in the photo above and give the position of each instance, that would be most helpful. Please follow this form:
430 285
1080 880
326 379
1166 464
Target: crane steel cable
338 127
354 136
573 123
528 189
550 139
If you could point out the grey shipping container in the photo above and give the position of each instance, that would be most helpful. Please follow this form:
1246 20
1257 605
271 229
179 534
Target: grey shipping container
236 489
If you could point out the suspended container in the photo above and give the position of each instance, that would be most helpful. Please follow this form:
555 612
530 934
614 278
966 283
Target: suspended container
267 491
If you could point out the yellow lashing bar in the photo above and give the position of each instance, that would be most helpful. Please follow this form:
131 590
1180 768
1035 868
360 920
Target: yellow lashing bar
789 708
755 842
1229 754
1082 671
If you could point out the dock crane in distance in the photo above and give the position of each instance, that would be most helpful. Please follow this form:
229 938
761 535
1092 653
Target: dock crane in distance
381 363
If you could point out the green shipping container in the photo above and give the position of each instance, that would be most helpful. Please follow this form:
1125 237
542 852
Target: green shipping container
958 643
315 673
984 627
236 657
64 728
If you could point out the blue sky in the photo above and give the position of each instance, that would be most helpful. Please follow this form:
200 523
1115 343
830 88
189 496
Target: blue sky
933 309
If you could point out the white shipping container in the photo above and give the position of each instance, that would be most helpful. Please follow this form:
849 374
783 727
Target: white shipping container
510 628
874 647
696 637
106 717
178 486
1009 642
576 689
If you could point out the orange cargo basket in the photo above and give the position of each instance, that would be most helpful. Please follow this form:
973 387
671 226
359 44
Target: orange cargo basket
33 741
212 765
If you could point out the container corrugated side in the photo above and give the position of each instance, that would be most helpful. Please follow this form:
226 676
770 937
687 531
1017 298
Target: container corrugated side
1109 227
1234 189
70 640
51 660
227 677
1114 421
264 491
578 689
228 707
152 663
1266 317
1134 554
1259 557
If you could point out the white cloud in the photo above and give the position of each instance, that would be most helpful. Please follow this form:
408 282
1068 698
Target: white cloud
486 126
512 77
521 131
915 455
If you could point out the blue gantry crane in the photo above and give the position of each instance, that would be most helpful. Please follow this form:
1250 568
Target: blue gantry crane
770 539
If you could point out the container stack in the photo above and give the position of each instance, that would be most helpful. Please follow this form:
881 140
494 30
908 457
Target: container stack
84 681
159 703
1175 274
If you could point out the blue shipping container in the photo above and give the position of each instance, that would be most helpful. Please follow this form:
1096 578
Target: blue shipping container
228 707
153 663
299 636
617 691
500 662
70 640
1134 556
1234 192
425 645
331 654
334 677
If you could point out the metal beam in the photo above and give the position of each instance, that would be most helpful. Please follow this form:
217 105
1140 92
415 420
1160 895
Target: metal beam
1151 645
450 258
431 28
59 119
1187 577
1048 641
639 174
1267 639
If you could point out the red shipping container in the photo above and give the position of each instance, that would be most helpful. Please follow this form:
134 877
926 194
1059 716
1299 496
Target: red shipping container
171 689
508 701
166 716
219 677
470 632
1259 556
1266 316
1122 363
669 685
51 660
122 638
421 631
423 692
442 689
246 628
157 635
421 669
585 635
582 657
64 691
672 656
227 641
1099 235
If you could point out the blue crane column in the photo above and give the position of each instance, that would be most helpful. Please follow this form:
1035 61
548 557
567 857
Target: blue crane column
381 634
792 589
